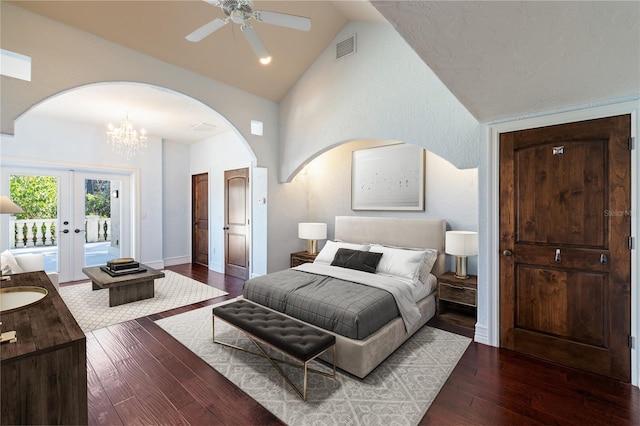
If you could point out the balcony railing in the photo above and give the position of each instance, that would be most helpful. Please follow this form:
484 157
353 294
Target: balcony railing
45 232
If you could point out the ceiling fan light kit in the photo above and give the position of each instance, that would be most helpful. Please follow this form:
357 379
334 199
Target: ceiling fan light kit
239 12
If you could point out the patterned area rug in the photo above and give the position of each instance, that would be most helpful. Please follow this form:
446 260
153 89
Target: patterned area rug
398 392
91 308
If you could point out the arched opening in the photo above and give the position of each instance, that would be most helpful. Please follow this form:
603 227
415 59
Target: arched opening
68 132
450 193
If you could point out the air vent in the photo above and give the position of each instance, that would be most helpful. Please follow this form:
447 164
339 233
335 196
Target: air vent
203 127
346 47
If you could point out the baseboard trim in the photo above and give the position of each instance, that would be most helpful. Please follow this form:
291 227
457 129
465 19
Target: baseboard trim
157 264
482 334
179 260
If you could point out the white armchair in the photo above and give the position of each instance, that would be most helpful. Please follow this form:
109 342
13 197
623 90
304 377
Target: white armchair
35 262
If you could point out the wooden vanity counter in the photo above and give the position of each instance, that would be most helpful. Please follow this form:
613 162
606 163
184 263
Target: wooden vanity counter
44 374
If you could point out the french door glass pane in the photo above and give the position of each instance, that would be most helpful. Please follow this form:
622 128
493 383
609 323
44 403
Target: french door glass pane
35 230
101 221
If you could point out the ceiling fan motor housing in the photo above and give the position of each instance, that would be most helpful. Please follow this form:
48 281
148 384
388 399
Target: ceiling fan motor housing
238 10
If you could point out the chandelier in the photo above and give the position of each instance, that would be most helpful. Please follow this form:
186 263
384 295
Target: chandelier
125 139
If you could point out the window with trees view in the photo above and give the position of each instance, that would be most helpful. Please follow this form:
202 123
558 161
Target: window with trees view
37 195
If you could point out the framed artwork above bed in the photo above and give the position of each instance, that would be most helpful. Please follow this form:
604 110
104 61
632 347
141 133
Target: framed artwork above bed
388 178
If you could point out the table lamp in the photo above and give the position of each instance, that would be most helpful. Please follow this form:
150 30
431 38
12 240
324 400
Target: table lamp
461 244
312 232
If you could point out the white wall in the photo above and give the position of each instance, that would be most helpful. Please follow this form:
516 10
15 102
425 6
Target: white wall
259 220
450 193
176 203
70 145
384 91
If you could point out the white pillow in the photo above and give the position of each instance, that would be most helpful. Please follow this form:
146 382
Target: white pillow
330 248
9 264
400 263
427 264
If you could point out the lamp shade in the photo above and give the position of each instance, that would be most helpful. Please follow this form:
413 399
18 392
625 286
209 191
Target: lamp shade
461 243
312 231
8 206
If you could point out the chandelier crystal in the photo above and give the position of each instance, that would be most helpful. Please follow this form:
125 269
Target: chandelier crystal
125 139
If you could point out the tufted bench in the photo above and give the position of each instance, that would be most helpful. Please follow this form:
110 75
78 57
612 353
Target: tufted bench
294 338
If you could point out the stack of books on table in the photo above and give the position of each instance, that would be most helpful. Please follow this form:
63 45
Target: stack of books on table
122 266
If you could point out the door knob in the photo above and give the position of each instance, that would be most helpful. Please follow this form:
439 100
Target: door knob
507 253
77 231
65 231
558 256
225 228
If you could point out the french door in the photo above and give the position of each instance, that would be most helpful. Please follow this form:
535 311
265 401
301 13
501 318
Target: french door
74 218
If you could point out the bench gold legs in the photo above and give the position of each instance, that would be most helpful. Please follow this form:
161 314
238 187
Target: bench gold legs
305 364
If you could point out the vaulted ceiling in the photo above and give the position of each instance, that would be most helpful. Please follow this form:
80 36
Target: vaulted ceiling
158 28
500 59
514 58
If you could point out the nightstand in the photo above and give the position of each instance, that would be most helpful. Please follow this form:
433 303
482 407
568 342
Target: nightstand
301 257
460 295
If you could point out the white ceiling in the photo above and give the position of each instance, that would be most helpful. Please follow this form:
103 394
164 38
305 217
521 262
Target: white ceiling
162 113
514 58
500 59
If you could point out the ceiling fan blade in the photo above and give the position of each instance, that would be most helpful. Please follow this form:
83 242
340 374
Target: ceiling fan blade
256 43
207 29
284 20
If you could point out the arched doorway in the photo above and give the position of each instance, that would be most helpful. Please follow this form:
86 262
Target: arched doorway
67 131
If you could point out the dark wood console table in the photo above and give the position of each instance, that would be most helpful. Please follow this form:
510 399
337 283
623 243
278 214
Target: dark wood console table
44 373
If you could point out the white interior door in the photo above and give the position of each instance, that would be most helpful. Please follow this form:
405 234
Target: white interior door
88 223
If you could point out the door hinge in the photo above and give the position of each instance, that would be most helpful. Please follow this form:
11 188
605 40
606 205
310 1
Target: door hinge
632 143
630 243
631 342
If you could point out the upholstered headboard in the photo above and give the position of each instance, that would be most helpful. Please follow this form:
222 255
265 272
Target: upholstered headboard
393 231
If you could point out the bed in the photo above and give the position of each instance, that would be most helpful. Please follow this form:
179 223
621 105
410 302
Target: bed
369 321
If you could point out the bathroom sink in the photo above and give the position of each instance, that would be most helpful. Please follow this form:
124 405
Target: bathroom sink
14 298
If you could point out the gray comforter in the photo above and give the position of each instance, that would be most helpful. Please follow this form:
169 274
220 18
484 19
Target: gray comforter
347 308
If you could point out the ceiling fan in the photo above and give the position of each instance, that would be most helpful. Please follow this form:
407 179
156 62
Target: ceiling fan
239 12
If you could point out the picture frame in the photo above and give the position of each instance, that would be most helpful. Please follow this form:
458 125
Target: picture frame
390 177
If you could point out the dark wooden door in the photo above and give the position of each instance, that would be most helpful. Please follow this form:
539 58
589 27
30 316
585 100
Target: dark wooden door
200 219
565 265
236 219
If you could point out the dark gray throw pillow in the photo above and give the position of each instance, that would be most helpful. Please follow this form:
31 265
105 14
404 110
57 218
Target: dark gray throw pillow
356 259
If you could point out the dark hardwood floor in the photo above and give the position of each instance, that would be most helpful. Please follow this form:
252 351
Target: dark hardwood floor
138 374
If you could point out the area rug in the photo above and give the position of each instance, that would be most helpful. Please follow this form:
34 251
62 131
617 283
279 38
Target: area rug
91 308
398 392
